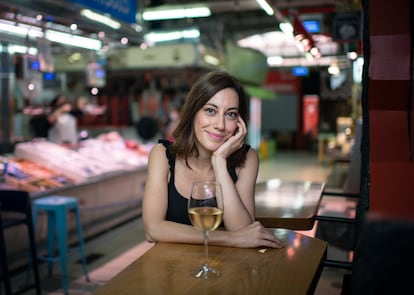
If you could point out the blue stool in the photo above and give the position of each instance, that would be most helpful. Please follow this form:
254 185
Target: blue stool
57 208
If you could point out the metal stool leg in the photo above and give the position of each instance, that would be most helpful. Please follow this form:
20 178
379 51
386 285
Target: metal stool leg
33 255
51 238
4 263
81 247
33 259
63 246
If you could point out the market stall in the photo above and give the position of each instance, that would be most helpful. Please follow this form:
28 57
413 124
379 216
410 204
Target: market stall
106 177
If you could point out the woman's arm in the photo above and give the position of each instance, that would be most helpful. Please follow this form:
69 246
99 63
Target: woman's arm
155 202
246 182
157 229
238 198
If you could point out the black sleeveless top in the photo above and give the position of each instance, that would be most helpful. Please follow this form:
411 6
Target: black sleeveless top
177 204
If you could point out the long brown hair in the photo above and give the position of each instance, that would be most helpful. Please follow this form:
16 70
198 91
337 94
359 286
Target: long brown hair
201 92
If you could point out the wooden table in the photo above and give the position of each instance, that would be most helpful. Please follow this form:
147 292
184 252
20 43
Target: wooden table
166 268
288 204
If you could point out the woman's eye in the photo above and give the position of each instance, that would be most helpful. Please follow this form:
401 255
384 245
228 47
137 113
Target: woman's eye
210 111
232 115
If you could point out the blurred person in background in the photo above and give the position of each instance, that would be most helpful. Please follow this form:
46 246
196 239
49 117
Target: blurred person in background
63 129
42 122
79 107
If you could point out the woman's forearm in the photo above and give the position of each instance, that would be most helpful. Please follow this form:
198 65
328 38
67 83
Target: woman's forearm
172 232
236 215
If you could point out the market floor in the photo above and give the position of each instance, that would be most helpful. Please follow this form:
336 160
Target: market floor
111 251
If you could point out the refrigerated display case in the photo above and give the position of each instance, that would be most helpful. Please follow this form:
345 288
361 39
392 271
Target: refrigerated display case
108 180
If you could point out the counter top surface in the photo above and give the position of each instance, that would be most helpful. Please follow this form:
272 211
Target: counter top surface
166 269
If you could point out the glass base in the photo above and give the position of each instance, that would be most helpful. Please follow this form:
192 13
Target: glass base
206 272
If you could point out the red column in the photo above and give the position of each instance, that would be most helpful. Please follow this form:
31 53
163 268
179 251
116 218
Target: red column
392 172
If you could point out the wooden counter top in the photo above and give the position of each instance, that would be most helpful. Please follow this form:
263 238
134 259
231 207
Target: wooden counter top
165 269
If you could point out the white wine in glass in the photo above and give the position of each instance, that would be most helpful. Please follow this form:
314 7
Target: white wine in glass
205 209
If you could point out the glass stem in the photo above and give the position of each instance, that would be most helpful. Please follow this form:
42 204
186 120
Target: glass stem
206 247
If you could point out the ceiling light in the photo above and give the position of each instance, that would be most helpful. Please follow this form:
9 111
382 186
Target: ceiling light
11 28
286 28
155 37
265 6
275 60
20 30
211 60
24 31
73 40
171 12
100 18
21 49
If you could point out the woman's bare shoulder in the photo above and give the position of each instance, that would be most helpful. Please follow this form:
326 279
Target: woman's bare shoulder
158 149
252 154
158 160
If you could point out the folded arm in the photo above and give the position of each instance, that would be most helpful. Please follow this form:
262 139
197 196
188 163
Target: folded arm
158 229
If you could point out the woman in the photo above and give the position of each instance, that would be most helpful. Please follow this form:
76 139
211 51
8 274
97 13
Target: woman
210 145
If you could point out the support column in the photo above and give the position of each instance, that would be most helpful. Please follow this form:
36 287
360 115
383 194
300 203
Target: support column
5 108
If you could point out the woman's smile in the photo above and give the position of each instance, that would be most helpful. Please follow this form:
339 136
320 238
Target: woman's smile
216 136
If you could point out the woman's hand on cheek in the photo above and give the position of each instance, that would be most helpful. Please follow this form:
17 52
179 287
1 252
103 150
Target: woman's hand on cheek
234 142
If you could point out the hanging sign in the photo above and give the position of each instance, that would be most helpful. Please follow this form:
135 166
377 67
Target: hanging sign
124 10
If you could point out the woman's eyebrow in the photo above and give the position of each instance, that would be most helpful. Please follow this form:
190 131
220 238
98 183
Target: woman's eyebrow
229 109
211 104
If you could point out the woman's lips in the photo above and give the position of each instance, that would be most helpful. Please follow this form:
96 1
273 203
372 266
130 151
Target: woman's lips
215 136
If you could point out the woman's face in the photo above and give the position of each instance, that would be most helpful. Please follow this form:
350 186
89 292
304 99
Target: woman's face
217 120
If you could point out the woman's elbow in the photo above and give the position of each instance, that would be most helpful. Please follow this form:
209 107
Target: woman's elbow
149 239
150 235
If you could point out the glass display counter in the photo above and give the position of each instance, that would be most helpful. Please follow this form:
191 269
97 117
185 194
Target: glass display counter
109 187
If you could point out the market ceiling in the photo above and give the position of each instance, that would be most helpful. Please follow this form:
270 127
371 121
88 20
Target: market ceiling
229 20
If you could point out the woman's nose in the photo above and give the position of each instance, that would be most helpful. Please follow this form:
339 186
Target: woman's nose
219 123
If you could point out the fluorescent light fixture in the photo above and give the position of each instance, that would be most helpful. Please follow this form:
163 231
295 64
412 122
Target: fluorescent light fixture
265 6
12 29
175 13
275 60
211 60
73 40
24 31
100 18
286 28
155 37
21 49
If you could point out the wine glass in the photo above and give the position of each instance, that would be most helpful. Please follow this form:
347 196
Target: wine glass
205 210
